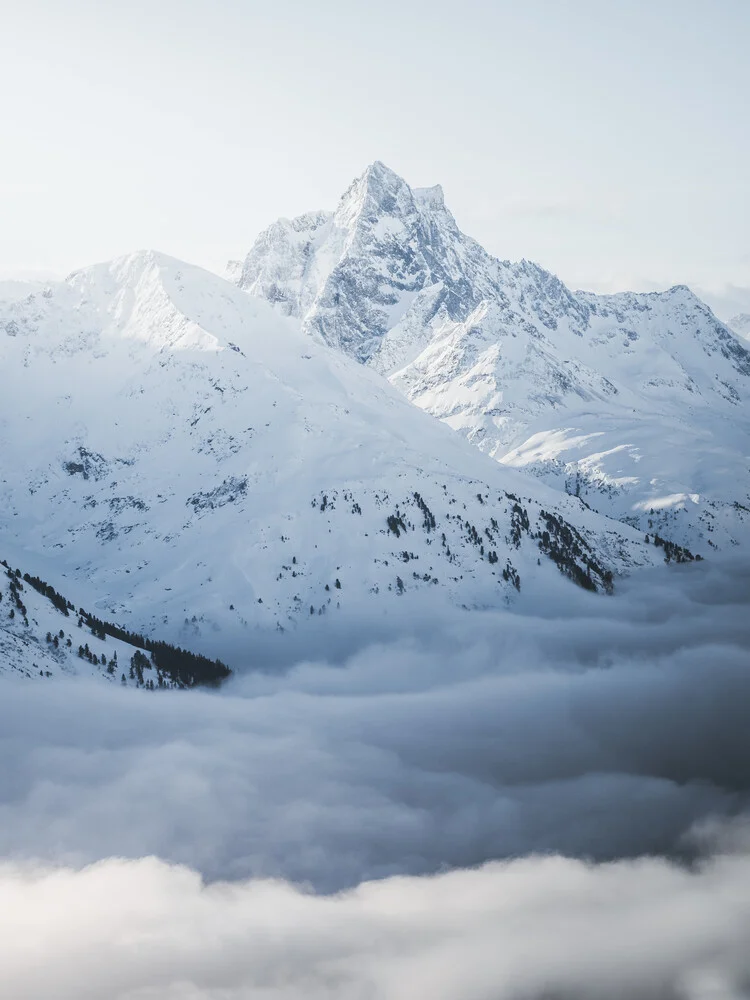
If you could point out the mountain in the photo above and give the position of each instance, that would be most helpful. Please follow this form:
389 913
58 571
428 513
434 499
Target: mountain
388 256
741 325
194 467
636 402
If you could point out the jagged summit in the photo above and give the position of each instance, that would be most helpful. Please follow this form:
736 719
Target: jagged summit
353 275
509 356
430 197
381 192
378 191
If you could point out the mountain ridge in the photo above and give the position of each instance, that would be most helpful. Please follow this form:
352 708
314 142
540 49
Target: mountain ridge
508 356
196 467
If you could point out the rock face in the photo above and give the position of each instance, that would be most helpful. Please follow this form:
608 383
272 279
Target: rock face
388 258
187 463
637 402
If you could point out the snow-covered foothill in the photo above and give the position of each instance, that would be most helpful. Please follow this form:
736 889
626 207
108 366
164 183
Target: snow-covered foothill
192 465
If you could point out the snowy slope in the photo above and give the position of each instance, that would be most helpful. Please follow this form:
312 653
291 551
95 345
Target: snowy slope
645 414
43 635
191 464
12 289
25 624
640 402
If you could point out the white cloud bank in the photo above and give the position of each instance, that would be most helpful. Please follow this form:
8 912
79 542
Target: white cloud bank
532 928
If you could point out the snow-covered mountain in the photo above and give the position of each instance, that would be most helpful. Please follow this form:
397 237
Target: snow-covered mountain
190 465
388 259
638 402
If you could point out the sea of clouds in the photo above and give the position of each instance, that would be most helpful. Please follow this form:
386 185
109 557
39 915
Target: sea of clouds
550 802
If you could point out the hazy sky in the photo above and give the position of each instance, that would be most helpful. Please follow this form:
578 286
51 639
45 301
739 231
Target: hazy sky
610 142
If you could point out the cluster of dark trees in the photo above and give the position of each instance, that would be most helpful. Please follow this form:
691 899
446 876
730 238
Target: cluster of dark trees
54 640
50 593
15 588
396 524
138 663
564 546
519 522
85 654
428 523
672 551
511 575
182 667
474 537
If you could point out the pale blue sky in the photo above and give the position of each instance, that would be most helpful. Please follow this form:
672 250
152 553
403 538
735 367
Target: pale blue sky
609 141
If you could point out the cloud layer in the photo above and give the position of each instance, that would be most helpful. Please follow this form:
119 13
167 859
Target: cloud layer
604 730
532 928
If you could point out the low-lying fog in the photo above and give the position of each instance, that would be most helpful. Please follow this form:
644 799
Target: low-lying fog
600 729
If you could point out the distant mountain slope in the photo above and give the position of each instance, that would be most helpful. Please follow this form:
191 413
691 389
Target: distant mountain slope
641 403
188 461
741 325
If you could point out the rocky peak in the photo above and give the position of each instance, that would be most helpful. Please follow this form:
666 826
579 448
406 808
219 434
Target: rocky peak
378 192
430 197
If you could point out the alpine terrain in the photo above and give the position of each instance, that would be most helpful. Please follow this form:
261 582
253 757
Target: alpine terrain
190 467
637 403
